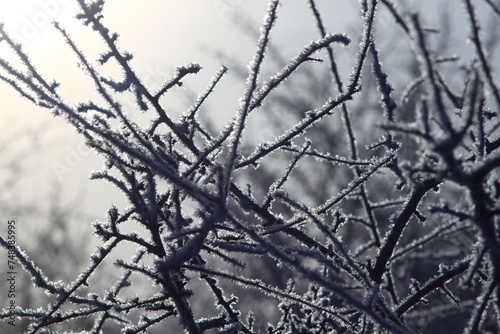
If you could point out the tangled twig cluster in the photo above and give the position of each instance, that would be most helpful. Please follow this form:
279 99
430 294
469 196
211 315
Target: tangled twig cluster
369 228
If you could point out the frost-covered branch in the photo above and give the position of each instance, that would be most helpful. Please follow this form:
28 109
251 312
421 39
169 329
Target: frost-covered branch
367 185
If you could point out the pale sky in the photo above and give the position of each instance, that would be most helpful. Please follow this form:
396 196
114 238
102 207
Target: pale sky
161 35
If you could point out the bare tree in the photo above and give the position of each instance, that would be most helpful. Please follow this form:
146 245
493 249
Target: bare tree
365 211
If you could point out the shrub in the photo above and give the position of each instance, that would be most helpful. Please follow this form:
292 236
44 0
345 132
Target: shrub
359 227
